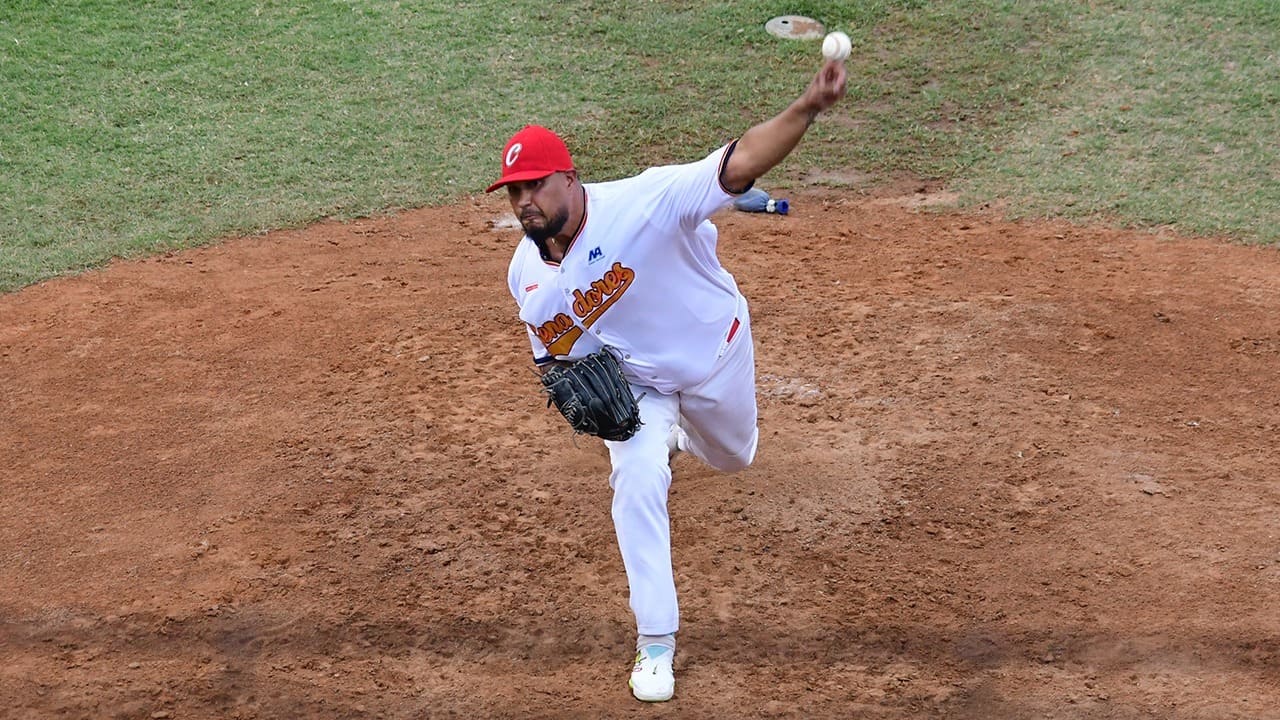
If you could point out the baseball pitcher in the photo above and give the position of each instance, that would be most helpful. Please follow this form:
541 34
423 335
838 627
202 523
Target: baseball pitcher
642 337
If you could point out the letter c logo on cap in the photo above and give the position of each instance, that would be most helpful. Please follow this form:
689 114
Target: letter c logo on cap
514 154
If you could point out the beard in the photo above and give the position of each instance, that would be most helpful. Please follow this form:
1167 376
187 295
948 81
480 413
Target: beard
540 233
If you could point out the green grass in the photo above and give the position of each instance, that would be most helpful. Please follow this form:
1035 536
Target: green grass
135 127
1170 119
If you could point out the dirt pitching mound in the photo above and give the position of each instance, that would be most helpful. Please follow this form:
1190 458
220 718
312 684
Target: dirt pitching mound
1006 471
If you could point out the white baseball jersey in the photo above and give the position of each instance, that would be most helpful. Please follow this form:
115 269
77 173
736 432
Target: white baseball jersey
641 276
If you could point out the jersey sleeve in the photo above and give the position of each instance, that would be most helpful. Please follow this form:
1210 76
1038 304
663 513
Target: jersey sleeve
540 355
695 192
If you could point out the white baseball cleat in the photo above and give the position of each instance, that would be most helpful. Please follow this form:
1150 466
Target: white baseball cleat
652 679
677 442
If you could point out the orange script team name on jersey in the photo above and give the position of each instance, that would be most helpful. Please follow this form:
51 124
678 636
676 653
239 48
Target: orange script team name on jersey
560 333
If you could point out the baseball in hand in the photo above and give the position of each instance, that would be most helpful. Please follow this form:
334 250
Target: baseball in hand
836 46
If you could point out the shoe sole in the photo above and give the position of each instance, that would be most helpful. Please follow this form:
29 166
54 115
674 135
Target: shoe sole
655 698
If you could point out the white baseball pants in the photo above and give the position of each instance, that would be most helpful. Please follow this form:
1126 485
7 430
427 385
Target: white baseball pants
719 417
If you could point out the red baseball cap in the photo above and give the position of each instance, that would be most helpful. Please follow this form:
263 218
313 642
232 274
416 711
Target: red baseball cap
533 153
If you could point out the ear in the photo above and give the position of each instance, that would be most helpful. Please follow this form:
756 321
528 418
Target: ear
572 175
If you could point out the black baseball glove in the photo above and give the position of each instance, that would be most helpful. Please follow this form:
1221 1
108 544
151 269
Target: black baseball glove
593 396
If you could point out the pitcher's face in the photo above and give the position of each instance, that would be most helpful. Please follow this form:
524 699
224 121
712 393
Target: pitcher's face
542 205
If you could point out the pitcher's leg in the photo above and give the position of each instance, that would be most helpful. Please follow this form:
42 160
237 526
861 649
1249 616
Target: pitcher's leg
640 480
719 415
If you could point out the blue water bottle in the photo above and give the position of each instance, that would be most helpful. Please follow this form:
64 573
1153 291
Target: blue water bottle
757 200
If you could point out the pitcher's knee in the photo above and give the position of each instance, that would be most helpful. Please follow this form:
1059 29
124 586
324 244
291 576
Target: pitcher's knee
727 461
640 483
734 463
